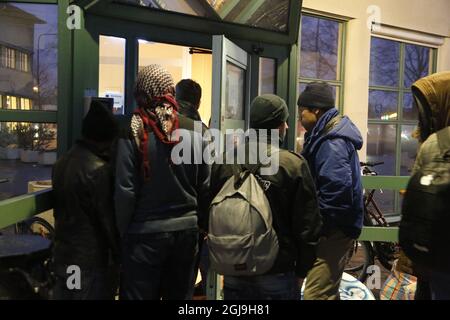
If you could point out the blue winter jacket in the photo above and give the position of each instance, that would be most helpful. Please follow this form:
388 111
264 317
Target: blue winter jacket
331 150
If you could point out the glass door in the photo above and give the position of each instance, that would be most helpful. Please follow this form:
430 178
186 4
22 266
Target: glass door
230 90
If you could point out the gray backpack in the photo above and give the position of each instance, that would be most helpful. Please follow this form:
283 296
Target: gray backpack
241 239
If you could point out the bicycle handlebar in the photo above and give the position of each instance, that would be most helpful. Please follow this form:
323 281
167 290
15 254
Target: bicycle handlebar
371 164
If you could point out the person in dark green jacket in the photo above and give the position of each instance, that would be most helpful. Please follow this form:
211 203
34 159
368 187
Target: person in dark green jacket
293 201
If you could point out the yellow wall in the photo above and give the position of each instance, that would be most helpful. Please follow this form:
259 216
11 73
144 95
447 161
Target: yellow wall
176 59
112 65
202 73
429 16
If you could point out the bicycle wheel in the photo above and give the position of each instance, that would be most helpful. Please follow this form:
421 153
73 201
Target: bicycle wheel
359 259
36 226
385 252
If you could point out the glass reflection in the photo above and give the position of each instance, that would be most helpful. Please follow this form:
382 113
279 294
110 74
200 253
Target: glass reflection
381 147
28 56
27 152
234 105
409 109
409 150
417 63
319 48
383 105
265 14
384 62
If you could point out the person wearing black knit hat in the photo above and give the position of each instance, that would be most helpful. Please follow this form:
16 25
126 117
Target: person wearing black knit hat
159 203
292 197
85 228
331 145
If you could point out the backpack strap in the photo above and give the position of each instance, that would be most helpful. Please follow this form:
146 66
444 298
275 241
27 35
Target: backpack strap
237 172
443 138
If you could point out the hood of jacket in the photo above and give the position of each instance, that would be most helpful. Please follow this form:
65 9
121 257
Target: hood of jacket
432 97
327 128
188 110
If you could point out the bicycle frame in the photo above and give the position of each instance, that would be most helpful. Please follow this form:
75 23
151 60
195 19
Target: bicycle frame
378 215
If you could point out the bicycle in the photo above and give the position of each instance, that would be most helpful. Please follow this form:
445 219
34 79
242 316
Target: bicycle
364 252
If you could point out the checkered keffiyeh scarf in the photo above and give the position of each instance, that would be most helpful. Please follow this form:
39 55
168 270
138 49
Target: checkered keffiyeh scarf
160 116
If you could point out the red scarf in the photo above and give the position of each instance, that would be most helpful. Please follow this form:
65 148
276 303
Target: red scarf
152 123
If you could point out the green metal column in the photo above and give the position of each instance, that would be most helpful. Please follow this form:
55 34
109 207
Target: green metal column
292 97
65 71
85 73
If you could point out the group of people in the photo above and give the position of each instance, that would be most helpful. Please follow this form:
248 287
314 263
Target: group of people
131 219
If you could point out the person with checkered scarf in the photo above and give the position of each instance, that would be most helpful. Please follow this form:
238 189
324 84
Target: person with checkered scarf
158 203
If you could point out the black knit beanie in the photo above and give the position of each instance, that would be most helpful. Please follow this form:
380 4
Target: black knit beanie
99 123
268 111
317 95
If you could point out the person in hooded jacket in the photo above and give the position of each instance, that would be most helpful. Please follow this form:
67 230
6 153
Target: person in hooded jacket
331 145
158 200
85 230
432 99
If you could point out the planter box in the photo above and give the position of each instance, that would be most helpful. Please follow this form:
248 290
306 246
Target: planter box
34 186
29 156
47 158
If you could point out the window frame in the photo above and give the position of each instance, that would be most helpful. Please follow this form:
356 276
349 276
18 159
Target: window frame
401 90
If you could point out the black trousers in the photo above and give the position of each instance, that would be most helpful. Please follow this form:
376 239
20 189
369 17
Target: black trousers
159 265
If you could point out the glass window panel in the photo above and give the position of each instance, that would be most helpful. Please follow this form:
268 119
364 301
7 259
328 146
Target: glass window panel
383 105
409 109
381 144
267 75
33 55
384 62
265 14
112 71
319 48
417 63
27 153
235 87
409 149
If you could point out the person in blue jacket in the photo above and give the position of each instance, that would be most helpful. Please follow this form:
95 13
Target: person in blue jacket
331 145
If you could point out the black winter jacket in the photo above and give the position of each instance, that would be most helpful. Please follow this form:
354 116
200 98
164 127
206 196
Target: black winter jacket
85 230
175 196
295 211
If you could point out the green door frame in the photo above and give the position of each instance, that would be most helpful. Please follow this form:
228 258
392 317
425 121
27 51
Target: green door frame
78 55
86 48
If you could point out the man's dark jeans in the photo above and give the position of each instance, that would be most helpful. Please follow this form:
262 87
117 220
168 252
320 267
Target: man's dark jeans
266 287
159 265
